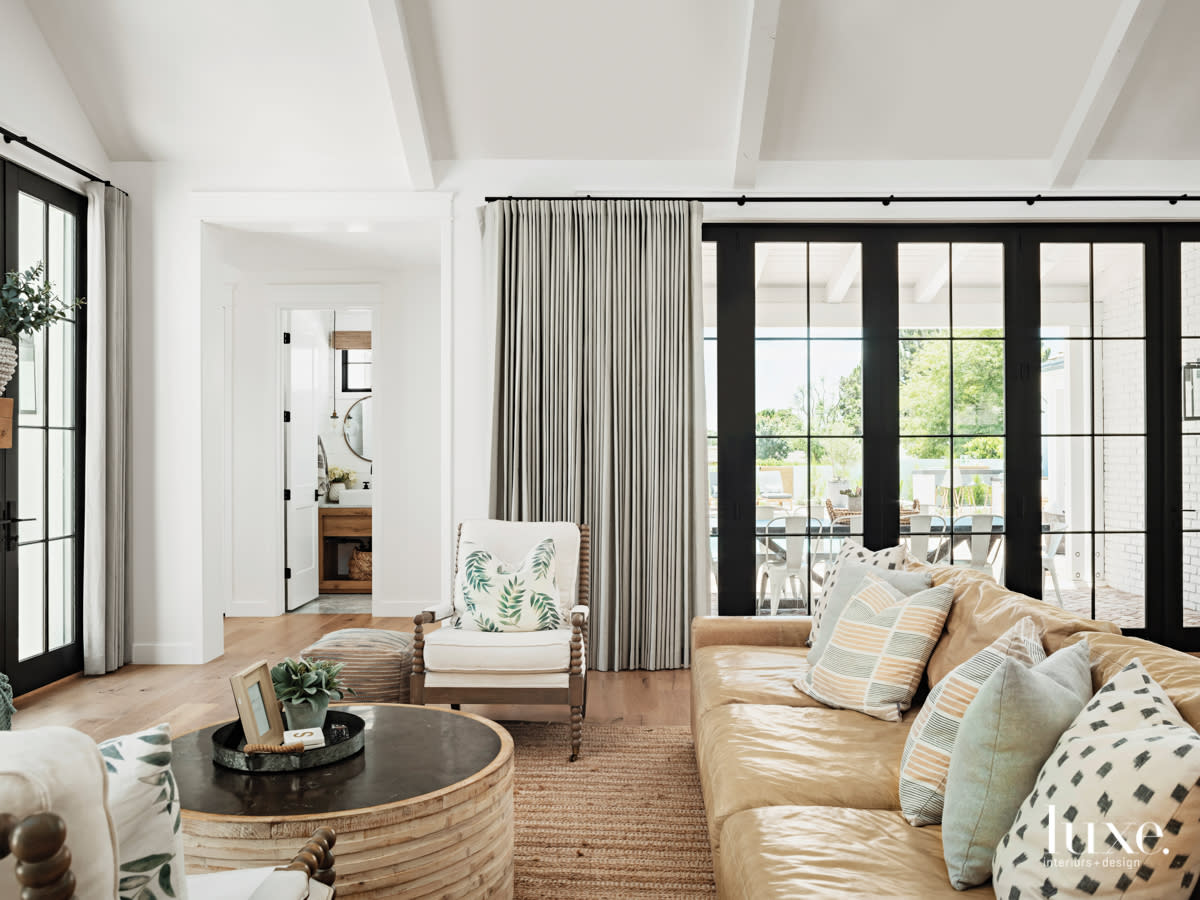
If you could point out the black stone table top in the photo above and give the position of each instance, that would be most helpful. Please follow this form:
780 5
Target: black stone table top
409 751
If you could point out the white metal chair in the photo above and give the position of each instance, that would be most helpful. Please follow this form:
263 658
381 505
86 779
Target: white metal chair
920 527
980 542
1053 541
792 568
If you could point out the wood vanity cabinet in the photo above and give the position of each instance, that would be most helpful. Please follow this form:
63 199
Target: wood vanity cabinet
351 522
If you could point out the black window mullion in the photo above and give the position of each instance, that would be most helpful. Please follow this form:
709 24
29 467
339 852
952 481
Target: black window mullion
1022 415
881 396
735 413
1164 448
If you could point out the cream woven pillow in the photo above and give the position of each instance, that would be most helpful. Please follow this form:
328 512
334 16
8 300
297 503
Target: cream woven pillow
926 759
878 651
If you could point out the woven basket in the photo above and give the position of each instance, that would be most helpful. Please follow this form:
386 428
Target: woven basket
8 362
360 565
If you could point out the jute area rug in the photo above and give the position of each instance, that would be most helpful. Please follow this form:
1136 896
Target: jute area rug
625 820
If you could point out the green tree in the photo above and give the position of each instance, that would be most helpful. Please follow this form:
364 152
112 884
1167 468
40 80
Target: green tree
978 396
778 422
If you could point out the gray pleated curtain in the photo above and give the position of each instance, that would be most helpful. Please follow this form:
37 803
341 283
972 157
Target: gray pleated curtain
105 646
599 405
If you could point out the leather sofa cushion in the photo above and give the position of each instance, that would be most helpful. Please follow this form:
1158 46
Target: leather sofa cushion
1178 673
825 852
751 756
983 610
739 674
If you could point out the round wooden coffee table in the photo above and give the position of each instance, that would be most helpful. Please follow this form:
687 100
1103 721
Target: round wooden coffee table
425 808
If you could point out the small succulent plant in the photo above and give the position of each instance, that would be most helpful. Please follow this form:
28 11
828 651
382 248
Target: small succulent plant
306 680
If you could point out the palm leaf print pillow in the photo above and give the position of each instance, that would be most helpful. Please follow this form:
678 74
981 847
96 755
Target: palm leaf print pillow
493 595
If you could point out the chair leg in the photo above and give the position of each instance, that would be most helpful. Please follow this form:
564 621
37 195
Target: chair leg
576 731
1054 578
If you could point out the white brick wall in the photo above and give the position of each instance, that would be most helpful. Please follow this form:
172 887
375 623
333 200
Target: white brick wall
1191 448
1120 408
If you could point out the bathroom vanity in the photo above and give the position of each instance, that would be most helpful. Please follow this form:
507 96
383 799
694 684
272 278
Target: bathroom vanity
334 522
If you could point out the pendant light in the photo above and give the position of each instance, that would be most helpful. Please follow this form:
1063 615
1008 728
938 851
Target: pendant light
333 367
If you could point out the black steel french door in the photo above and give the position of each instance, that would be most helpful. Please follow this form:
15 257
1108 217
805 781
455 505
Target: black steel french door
1023 399
41 474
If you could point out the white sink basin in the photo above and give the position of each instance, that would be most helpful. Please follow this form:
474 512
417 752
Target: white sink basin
355 497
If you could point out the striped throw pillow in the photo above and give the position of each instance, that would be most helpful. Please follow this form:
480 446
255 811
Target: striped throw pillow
878 651
926 759
888 558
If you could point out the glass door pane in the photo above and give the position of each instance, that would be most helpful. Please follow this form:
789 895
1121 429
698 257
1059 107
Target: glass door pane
808 416
40 489
951 384
1190 488
708 263
1094 429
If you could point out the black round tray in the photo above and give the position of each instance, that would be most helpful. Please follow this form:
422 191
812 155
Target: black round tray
229 739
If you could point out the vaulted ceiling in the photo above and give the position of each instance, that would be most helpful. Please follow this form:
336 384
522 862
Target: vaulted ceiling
406 88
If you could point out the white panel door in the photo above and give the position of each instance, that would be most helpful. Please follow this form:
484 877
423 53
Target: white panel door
304 355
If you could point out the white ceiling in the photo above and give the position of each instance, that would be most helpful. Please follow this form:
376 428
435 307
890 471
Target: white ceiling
296 83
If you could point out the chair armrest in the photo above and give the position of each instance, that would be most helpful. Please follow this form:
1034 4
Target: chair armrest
762 631
579 609
315 858
433 614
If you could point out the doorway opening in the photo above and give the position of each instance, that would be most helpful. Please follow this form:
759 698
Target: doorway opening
329 460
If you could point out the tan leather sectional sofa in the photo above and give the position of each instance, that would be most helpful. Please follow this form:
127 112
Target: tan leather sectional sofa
803 800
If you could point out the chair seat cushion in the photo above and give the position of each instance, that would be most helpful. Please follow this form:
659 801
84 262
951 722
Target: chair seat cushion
824 852
751 756
455 650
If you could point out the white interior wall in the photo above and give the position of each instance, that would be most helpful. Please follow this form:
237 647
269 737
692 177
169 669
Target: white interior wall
407 574
36 101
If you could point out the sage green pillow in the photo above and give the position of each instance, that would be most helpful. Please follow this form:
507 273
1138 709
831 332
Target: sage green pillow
852 576
1007 733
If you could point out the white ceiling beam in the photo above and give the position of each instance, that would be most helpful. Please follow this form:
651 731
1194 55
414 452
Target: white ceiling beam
756 83
932 282
844 275
391 33
1114 61
761 254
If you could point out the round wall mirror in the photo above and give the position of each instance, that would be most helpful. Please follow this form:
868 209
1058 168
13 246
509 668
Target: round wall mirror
357 428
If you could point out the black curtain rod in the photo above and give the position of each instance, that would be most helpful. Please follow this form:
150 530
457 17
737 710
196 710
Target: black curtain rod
1029 200
11 137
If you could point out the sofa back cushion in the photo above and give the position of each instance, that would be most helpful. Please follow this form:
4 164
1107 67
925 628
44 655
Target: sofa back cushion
1178 673
983 610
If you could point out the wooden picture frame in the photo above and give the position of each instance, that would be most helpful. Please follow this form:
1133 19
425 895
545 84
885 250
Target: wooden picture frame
258 708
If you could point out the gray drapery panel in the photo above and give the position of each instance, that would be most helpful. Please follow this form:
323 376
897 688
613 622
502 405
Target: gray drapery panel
105 647
599 405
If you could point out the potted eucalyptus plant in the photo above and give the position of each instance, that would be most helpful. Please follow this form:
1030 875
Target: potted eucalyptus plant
305 687
27 304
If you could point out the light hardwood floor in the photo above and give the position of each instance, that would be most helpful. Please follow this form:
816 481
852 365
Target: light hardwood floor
190 697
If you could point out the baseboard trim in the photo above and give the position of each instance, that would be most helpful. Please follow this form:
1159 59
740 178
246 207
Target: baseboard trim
398 609
148 654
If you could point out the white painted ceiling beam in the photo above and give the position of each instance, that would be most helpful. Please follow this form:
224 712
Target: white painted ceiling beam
761 254
391 33
756 84
844 275
932 282
1114 61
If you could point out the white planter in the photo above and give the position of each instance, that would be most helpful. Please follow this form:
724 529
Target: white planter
8 362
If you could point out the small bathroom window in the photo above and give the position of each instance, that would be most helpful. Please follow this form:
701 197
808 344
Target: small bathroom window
356 371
